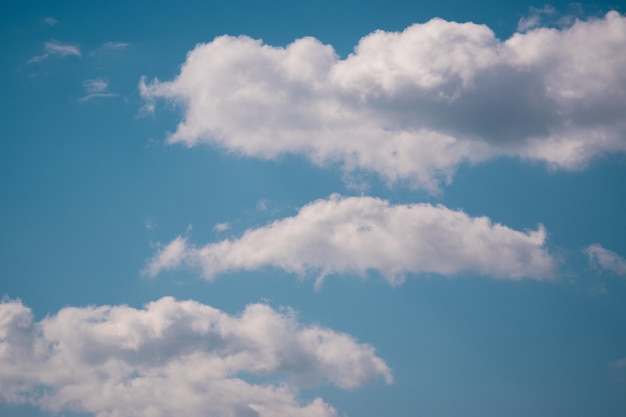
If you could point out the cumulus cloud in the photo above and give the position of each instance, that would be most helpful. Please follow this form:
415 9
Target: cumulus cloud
411 105
359 234
175 358
605 259
56 48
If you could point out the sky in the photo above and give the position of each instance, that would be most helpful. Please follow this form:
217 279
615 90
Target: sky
279 208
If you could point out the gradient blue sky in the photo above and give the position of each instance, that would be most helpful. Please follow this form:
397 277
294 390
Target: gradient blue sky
92 193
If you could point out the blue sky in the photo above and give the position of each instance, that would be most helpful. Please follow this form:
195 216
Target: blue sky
313 209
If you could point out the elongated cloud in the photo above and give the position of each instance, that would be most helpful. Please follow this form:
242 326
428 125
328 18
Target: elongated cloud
605 259
56 48
358 234
411 105
175 359
114 45
110 47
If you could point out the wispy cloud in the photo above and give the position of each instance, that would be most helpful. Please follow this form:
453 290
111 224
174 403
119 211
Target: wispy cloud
97 85
54 47
548 16
115 45
110 47
96 88
605 259
535 18
619 364
50 21
221 227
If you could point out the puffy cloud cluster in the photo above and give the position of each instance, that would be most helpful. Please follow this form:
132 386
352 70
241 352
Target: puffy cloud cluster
358 234
175 358
605 259
411 105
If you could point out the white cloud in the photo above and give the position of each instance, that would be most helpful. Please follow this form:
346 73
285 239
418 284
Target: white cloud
50 21
359 234
110 47
261 205
169 257
535 18
175 359
549 17
96 88
97 85
56 48
605 259
115 45
621 363
411 105
221 227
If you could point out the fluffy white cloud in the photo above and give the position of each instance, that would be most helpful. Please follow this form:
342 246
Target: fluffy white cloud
606 259
411 105
56 48
175 358
358 234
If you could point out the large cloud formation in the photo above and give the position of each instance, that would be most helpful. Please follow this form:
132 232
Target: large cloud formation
411 105
175 359
358 234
